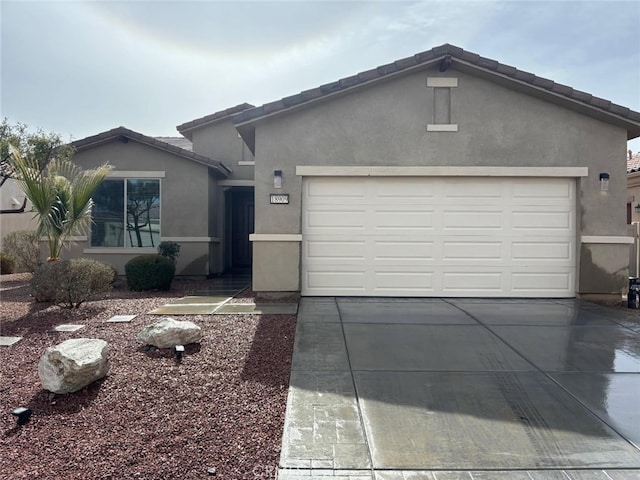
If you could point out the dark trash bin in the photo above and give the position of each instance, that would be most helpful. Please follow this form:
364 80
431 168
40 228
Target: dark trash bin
633 297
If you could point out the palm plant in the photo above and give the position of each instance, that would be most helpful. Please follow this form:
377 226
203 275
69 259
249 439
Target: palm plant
60 195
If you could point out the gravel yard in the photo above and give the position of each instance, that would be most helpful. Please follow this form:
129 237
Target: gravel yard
222 407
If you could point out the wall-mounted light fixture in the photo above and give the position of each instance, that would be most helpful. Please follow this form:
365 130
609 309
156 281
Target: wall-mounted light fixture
604 182
277 179
637 208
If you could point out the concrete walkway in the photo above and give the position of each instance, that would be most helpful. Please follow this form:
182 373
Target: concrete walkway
434 389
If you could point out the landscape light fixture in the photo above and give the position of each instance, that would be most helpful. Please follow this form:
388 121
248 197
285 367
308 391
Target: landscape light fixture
604 182
277 179
179 351
23 414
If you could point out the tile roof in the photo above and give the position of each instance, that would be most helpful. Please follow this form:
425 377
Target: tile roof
177 141
633 162
124 134
187 127
452 55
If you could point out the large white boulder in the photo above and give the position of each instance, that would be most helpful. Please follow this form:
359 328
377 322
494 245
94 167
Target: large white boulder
167 333
73 364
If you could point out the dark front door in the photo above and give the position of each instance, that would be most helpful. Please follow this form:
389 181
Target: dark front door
242 208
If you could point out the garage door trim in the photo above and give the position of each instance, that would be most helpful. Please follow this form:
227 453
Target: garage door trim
433 171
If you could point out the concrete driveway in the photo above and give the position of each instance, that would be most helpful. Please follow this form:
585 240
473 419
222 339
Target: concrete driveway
444 389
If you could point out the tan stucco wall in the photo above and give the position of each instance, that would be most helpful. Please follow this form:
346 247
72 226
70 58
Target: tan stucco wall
386 125
221 142
186 208
284 266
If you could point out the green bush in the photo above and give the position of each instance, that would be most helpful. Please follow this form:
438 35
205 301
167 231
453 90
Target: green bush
150 272
7 264
69 283
170 250
22 245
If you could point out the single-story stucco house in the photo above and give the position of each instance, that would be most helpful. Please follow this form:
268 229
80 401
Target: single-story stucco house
441 174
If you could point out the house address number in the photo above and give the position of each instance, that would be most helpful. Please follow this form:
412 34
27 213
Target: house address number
279 198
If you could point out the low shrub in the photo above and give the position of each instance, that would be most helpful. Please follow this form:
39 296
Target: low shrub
22 245
69 283
7 264
150 272
170 250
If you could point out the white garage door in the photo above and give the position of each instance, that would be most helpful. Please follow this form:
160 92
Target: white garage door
438 236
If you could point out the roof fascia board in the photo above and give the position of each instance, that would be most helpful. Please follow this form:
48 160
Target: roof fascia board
187 128
190 129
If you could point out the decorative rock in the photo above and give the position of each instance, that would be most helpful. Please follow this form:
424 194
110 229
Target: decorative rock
168 333
73 364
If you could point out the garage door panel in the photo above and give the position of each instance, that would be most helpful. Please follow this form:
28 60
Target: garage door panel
463 189
403 190
323 281
472 250
464 237
405 251
471 283
325 219
327 188
540 220
542 283
403 284
542 250
541 192
477 221
402 221
335 250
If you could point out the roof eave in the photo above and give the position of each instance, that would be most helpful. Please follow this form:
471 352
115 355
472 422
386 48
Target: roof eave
484 67
338 93
186 129
121 133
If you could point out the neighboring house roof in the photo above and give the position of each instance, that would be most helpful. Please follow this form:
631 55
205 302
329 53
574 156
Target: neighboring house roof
449 55
188 127
633 162
124 134
177 141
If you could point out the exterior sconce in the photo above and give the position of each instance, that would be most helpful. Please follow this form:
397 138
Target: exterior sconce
604 182
637 208
277 179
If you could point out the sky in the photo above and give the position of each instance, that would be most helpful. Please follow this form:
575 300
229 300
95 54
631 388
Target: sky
79 68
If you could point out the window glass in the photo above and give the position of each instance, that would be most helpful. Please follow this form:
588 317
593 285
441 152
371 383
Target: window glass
126 213
107 214
143 213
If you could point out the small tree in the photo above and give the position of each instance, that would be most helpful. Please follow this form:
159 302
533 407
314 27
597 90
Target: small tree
37 148
60 194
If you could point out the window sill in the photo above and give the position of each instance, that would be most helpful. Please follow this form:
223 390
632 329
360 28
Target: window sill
120 250
445 127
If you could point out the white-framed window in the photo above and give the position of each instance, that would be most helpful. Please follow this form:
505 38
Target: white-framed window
126 213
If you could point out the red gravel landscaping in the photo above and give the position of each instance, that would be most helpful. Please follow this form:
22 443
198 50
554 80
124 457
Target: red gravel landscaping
222 407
